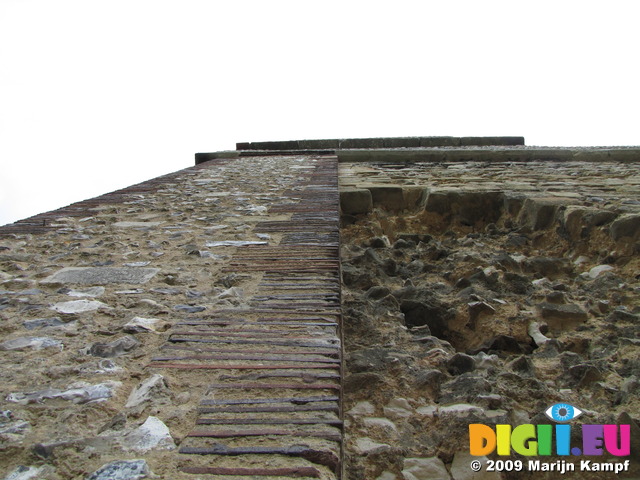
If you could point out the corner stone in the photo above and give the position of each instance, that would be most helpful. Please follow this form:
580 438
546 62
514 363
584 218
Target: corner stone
355 201
102 275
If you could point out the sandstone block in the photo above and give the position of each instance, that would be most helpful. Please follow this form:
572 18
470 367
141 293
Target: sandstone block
626 226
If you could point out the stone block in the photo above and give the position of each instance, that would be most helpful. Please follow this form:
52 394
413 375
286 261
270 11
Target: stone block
355 201
102 275
389 197
626 226
540 213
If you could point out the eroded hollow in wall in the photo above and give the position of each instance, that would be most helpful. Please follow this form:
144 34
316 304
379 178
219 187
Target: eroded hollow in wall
482 307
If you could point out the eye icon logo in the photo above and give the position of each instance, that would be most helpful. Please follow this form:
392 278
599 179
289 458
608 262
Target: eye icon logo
563 412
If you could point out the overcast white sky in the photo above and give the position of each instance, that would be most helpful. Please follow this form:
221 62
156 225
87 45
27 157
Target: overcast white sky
97 95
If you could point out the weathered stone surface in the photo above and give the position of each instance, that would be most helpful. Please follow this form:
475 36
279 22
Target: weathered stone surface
561 317
362 408
366 446
152 388
87 292
102 275
122 470
27 473
431 468
153 434
136 224
596 271
383 423
626 226
398 408
36 343
78 306
355 201
540 213
141 324
116 348
461 470
79 393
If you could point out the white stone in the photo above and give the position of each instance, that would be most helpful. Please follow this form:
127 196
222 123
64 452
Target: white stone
233 243
431 468
596 271
366 446
87 292
232 292
398 408
78 306
152 434
384 423
102 275
460 409
429 411
460 469
136 224
149 388
580 260
538 337
140 324
362 408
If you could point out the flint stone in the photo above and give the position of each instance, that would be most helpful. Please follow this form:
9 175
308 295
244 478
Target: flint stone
16 427
233 243
366 446
387 476
460 363
102 275
114 349
189 308
136 224
460 409
141 325
26 473
460 468
78 306
398 408
362 408
383 423
122 470
42 323
81 393
431 468
87 292
153 386
37 343
596 271
152 434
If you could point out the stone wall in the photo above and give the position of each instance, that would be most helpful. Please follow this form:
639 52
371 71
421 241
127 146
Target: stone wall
479 292
191 326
